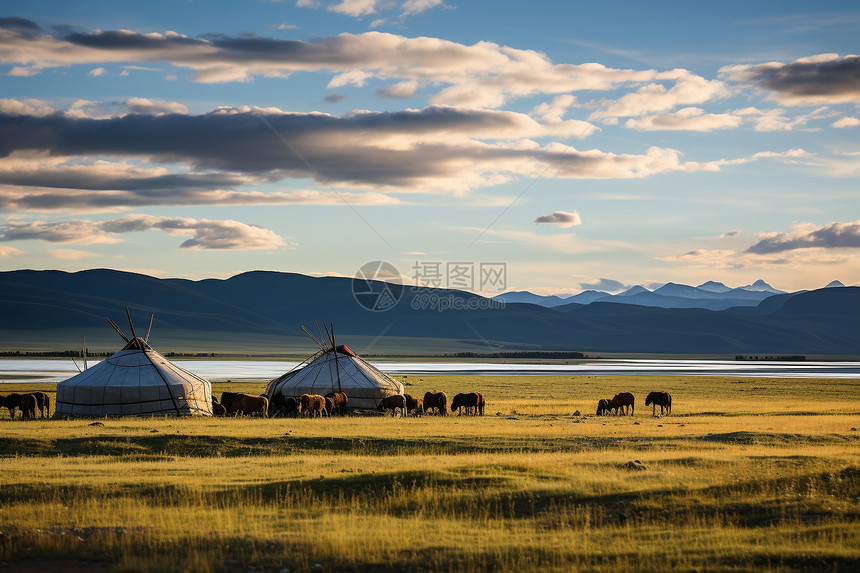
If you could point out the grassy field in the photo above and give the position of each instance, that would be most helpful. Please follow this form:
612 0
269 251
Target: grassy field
746 475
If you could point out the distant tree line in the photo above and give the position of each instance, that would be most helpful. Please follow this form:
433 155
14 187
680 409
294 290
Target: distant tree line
49 354
521 354
789 358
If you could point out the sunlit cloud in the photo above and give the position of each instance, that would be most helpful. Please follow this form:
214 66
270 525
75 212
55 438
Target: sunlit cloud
686 119
206 234
807 235
846 122
7 252
71 254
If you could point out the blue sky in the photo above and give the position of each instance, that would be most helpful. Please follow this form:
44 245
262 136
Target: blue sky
582 144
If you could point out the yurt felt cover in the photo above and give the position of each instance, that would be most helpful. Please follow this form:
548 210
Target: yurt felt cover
364 384
134 382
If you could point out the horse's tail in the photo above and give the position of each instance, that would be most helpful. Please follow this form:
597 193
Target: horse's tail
47 404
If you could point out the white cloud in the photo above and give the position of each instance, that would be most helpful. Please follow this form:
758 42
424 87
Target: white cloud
31 107
686 119
688 89
483 74
405 89
778 120
6 252
71 254
97 72
155 107
846 122
206 234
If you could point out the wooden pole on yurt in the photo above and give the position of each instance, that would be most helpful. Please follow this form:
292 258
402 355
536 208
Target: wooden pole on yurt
336 367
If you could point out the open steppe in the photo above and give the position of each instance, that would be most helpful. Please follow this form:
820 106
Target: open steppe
747 474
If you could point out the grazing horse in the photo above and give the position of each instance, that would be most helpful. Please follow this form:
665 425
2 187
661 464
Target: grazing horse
603 406
43 403
12 402
414 404
238 403
218 409
28 403
393 403
283 406
662 399
312 404
329 405
621 402
340 400
472 403
437 400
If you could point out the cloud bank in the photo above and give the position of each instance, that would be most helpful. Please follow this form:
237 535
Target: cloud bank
206 234
825 78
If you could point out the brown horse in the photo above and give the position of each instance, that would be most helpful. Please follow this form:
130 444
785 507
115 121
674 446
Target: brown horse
436 400
340 400
218 409
412 404
603 406
43 403
623 401
28 403
472 403
662 399
393 403
312 404
12 401
237 403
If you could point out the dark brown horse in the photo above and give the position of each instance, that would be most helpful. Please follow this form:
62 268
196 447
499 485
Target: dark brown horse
12 401
662 399
393 403
281 405
623 401
43 403
436 400
340 400
218 409
472 403
28 403
237 403
603 406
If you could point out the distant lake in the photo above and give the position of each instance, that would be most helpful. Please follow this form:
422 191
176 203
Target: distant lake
57 370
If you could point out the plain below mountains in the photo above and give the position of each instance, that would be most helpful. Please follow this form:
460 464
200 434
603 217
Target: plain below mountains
823 321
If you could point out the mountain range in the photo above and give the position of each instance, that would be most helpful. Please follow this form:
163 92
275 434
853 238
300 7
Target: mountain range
267 303
711 295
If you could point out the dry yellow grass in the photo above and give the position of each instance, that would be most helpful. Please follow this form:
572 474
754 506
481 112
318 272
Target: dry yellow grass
746 475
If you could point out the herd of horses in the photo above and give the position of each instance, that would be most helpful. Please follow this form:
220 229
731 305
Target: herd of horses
28 403
625 403
336 403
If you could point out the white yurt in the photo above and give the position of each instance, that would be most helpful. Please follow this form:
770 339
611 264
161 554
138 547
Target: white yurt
337 369
136 381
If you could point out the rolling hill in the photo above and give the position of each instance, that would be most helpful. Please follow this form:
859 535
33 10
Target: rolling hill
263 303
